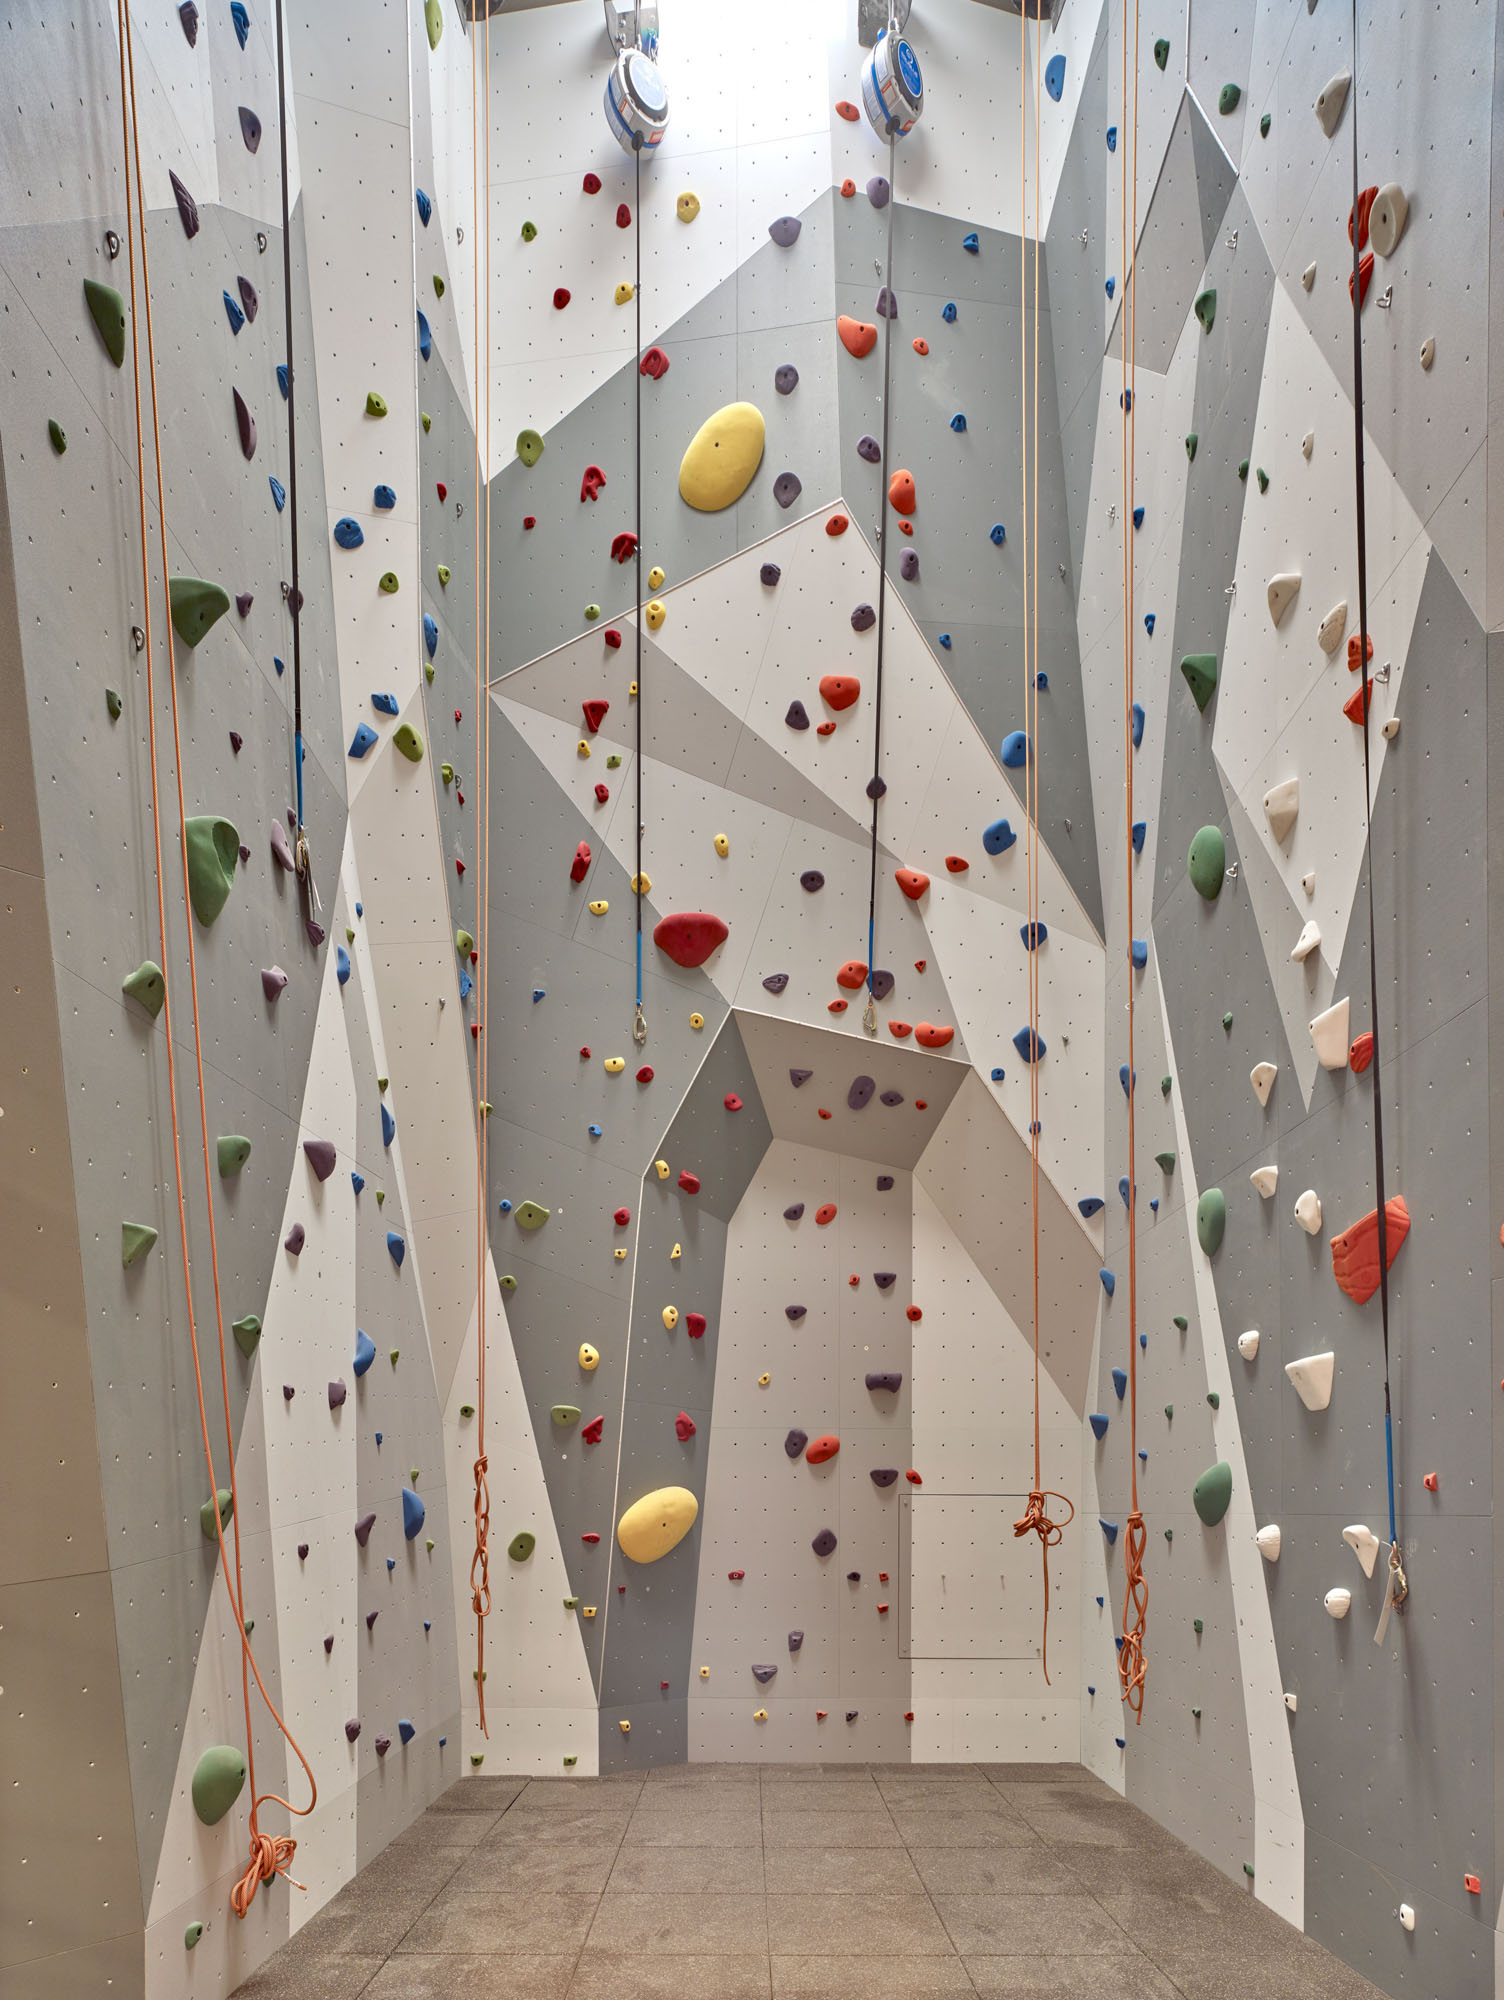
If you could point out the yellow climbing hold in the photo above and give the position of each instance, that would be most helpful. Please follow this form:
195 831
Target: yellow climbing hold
697 1020
660 1167
599 909
657 1523
624 293
763 1381
723 454
655 578
670 1317
615 1065
625 1727
642 885
655 615
722 844
582 748
687 206
589 1356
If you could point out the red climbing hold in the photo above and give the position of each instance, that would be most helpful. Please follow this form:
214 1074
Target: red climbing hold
854 1280
736 1575
595 713
823 1112
694 1325
904 528
921 1104
561 299
929 1036
821 1448
1353 661
1429 1482
654 363
825 1213
900 1030
839 691
921 964
1356 705
821 1713
585 1053
921 347
443 490
1360 1055
623 546
914 1312
591 183
851 975
623 216
912 881
590 1538
826 729
645 1074
857 336
684 1430
957 863
731 1101
602 793
1355 1253
459 866
579 868
457 714
475 1031
901 494
623 1215
1365 273
689 1182
908 1715
837 525
848 189
591 484
593 1431
689 937
836 1006
847 110
612 637
530 521
1365 205
913 1478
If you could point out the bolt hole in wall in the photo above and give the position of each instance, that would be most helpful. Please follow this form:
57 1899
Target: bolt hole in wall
879 466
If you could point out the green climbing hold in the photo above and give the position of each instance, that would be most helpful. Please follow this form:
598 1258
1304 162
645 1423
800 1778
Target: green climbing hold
1193 438
1165 1162
571 1604
380 1196
1169 1534
1200 670
507 1283
1227 1020
147 985
213 848
1248 1869
381 1084
1211 1220
433 17
1214 1398
1181 1322
220 1508
1243 469
233 1149
217 1779
529 231
1205 308
531 1215
108 310
1166 1085
1197 1713
565 1413
113 703
1262 477
1170 1411
387 583
408 743
1206 863
196 606
1161 53
463 942
592 612
529 447
438 292
375 405
446 772
428 672
1197 1627
425 419
1229 98
444 575
467 1409
247 1333
1264 123
192 1935
136 1238
521 1546
58 435
1211 1496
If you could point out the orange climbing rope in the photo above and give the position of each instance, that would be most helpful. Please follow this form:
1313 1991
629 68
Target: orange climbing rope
1131 1663
1036 1519
480 1561
271 1854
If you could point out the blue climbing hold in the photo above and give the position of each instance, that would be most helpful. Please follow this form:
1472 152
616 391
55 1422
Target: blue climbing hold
1125 1079
388 1127
1138 723
425 206
360 909
1099 1425
233 313
504 1206
404 1728
945 640
998 837
1109 1280
971 243
595 1131
948 314
1090 1205
1154 1203
1033 934
348 532
284 380
341 964
997 534
384 704
384 498
430 635
1138 517
1120 1382
958 422
357 1181
1112 138
1042 681
1123 1189
362 740
1054 76
467 984
365 1351
413 1512
391 1564
997 1074
1110 1530
1149 623
1125 401
1138 951
1029 1045
280 665
279 492
425 336
1143 1342
1140 833
1112 285
396 1248
241 19
538 994
1014 753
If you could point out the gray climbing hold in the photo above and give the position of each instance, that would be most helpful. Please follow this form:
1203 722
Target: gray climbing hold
796 1640
763 1674
250 303
880 983
887 304
188 16
146 985
785 231
884 1280
786 379
321 1156
811 881
786 488
281 850
824 1543
861 1093
886 1378
337 1394
908 565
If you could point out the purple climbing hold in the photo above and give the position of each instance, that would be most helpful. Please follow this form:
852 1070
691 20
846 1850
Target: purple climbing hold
884 1182
811 880
853 1576
245 853
798 1078
884 1475
383 1743
823 1543
248 297
371 1617
851 1714
892 1098
337 1394
363 1528
786 488
796 1640
288 1392
794 1313
294 1240
352 1727
797 716
315 932
188 15
250 128
908 565
878 191
302 1551
880 985
786 379
795 1442
763 1674
884 1280
236 743
861 1093
889 1378
769 573
776 981
877 787
187 206
887 304
273 980
869 449
863 618
281 850
785 231
245 423
243 603
321 1156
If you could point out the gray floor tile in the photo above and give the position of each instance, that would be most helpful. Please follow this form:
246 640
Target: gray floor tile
679 1925
844 1794
725 1871
736 1823
960 1794
794 1827
700 1776
400 1877
1069 1979
478 1795
354 1931
1062 1797
625 1975
1098 1828
801 1774
573 1823
445 1829
853 1977
1200 1918
799 1925
1030 1926
551 1792
917 1770
934 1826
542 1925
840 1871
488 1976
995 1871
549 1867
1035 1774
1305 1975
309 1976
1124 1870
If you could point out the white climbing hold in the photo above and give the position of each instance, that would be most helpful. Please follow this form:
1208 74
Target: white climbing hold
1329 635
1308 442
1391 729
1427 354
1268 1540
1332 100
1308 941
1311 1378
1308 276
1292 1702
1282 803
1282 592
1387 218
1338 1602
1248 1343
1407 1916
1330 1037
1364 1544
1308 882
1308 1212
1262 1076
1265 1179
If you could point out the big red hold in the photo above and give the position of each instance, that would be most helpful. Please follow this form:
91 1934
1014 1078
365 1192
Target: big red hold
851 975
839 691
912 881
684 1427
579 868
688 937
857 337
822 1448
595 713
929 1036
901 495
592 482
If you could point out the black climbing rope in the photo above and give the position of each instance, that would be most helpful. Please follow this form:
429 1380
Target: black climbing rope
639 1021
295 595
876 788
1398 1587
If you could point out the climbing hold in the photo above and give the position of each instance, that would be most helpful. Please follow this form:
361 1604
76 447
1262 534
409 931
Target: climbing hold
847 110
929 1036
232 1151
1308 1212
136 1238
657 1523
247 1332
1192 438
1206 862
196 606
1332 100
785 231
433 21
521 1546
1338 1602
1248 1343
1205 308
1109 1286
1311 1378
689 937
857 337
860 1095
998 837
591 1433
878 191
218 1777
413 1514
824 1543
219 1509
822 1448
1281 806
902 497
407 743
1200 670
1329 1035
1265 1180
1054 76
1212 1494
825 1214
146 985
1388 214
1308 941
623 293
1364 1544
1355 1252
1229 98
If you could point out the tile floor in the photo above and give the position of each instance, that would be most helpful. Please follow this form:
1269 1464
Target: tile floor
841 1882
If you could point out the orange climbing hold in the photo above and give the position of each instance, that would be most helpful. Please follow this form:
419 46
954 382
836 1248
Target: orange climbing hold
901 494
1365 207
851 974
826 729
1353 661
822 1448
900 1030
857 337
839 691
913 1477
848 189
912 881
1355 1253
957 863
825 1213
914 1312
1360 1055
921 347
1365 273
837 525
1356 705
847 110
929 1036
836 1007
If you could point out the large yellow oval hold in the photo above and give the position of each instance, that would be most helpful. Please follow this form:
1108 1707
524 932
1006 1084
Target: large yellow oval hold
656 1524
723 454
